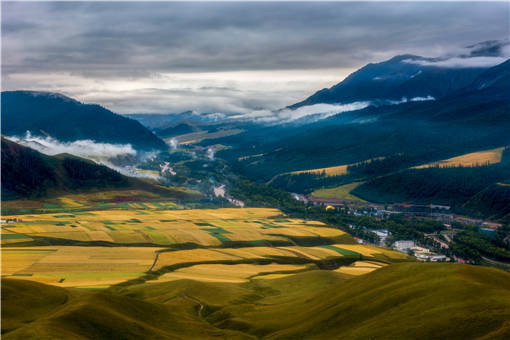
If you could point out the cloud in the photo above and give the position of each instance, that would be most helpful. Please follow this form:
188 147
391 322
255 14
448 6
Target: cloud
484 54
176 56
459 62
82 148
315 112
101 153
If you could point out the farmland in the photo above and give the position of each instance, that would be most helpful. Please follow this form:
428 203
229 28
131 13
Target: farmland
103 248
469 160
157 227
329 171
102 200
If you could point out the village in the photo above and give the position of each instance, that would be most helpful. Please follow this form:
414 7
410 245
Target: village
436 248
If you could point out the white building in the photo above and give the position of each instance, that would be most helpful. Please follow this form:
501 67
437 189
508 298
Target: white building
383 234
403 245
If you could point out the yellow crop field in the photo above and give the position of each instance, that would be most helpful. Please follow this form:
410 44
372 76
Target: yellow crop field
337 170
367 250
355 270
236 273
114 199
220 245
329 171
77 266
469 160
369 264
207 227
360 268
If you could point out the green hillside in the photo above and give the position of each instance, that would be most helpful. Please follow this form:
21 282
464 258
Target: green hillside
406 300
27 173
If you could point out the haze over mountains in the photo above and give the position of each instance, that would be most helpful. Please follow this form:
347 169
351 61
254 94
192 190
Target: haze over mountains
63 118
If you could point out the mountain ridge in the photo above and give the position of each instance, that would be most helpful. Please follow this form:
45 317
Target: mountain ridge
66 119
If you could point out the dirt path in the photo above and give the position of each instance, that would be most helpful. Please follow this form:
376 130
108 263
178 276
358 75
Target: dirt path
504 264
155 260
184 295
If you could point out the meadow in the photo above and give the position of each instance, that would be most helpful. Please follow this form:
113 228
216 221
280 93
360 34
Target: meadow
341 192
397 301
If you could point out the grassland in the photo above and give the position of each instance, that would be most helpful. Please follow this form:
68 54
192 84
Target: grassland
341 192
469 160
398 301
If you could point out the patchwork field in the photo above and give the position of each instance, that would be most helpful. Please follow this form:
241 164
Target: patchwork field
77 266
104 200
101 248
236 273
164 227
469 160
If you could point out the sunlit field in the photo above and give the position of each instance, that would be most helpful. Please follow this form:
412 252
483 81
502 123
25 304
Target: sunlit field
101 248
478 158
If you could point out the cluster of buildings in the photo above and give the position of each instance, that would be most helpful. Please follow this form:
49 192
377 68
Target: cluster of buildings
422 254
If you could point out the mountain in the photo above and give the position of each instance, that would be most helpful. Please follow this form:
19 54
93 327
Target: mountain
403 76
495 78
399 301
471 118
179 129
63 118
160 120
27 173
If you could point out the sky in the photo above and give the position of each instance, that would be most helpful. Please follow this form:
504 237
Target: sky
165 57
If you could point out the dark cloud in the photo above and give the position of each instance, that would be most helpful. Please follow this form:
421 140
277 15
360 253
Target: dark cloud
134 41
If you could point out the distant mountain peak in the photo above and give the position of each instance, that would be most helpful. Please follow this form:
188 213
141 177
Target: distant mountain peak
48 94
403 76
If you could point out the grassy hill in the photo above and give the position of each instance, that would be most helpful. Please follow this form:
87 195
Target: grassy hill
406 300
27 173
473 190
